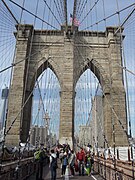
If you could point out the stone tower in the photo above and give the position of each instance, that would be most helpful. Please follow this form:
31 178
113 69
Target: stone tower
68 55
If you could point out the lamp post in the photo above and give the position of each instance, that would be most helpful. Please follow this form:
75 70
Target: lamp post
47 133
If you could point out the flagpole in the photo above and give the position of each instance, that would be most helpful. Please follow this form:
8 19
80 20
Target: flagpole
74 14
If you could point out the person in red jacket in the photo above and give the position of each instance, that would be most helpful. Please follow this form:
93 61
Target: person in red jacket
81 161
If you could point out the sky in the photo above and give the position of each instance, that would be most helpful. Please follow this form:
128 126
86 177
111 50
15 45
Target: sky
91 18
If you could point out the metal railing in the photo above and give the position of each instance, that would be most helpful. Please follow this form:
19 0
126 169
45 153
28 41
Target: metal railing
105 168
26 168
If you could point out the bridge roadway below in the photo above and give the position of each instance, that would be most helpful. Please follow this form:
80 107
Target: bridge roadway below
47 175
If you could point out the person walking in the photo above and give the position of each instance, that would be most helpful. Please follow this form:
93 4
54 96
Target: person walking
64 164
40 158
81 160
72 163
89 163
53 165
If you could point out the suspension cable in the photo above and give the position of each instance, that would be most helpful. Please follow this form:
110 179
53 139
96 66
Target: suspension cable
51 12
33 14
10 11
113 14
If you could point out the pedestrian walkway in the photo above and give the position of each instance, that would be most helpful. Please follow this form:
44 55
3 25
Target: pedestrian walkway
47 175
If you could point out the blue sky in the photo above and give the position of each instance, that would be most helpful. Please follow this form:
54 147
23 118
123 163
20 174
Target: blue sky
98 13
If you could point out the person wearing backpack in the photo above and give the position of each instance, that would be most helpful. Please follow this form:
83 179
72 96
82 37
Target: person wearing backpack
40 156
89 163
53 165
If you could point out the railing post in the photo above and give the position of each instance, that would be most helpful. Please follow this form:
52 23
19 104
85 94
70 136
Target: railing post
118 154
129 159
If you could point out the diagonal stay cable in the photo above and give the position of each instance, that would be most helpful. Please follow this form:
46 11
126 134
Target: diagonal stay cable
111 15
20 110
58 10
129 15
14 64
51 12
41 96
33 14
78 7
10 11
89 11
82 9
113 110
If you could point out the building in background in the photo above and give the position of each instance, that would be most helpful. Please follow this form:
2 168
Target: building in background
39 135
93 133
96 123
85 134
4 98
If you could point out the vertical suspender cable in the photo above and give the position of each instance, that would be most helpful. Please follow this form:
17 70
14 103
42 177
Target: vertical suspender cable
5 124
127 90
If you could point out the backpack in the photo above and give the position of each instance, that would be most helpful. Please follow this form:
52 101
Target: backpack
54 162
37 155
92 161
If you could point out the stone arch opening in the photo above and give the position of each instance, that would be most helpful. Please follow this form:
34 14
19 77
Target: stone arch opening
91 103
42 66
99 72
62 52
45 116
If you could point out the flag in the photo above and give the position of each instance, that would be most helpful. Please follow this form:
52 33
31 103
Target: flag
76 21
71 18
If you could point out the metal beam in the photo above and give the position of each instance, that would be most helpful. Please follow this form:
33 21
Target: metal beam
10 12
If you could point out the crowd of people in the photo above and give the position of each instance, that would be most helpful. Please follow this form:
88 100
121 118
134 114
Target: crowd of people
76 162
